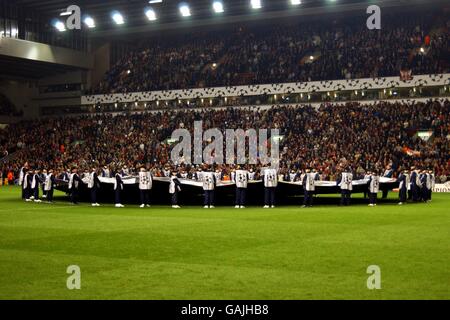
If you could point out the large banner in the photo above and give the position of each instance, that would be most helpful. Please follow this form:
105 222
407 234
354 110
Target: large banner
192 192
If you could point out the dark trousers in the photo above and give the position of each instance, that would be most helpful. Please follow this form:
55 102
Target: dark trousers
415 193
27 193
209 197
175 198
74 196
24 193
145 196
308 198
117 193
430 192
402 195
373 197
409 194
240 196
49 195
36 193
425 194
345 197
385 194
93 195
269 196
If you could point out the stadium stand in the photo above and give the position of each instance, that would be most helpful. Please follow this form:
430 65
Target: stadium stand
337 49
366 136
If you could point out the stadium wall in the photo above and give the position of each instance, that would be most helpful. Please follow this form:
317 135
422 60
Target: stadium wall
44 53
20 94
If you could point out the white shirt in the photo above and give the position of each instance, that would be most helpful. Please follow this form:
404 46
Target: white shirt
346 182
145 181
208 181
241 178
270 178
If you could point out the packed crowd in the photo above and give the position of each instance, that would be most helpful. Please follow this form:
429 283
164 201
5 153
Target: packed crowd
365 137
310 51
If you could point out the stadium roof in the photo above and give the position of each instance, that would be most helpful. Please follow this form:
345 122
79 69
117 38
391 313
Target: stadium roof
168 14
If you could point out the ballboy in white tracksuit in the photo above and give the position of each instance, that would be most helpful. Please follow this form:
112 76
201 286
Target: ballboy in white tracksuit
209 185
270 185
240 178
174 189
145 185
374 187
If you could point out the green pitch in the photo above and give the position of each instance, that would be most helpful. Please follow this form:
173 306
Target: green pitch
223 253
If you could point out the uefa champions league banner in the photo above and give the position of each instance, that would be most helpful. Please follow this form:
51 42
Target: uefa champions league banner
192 191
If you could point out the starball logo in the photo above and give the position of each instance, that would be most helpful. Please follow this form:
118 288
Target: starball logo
235 146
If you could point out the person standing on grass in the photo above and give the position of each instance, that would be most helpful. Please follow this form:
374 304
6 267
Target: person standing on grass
366 177
93 186
374 187
35 182
402 187
240 178
427 186
118 188
388 173
174 189
49 185
309 187
270 178
26 185
145 186
414 179
432 182
345 183
423 185
74 184
209 185
43 177
22 173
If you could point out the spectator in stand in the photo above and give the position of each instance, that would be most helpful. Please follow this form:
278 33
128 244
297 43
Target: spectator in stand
366 136
340 49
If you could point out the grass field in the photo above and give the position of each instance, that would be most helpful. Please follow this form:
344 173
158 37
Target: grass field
224 253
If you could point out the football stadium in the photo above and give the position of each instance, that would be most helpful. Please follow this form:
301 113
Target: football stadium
224 150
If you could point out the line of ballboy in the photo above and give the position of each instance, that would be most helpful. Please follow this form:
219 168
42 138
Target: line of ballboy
416 186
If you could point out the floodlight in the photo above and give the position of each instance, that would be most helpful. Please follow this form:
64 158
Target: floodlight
184 10
151 14
256 4
59 25
89 22
218 6
117 17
